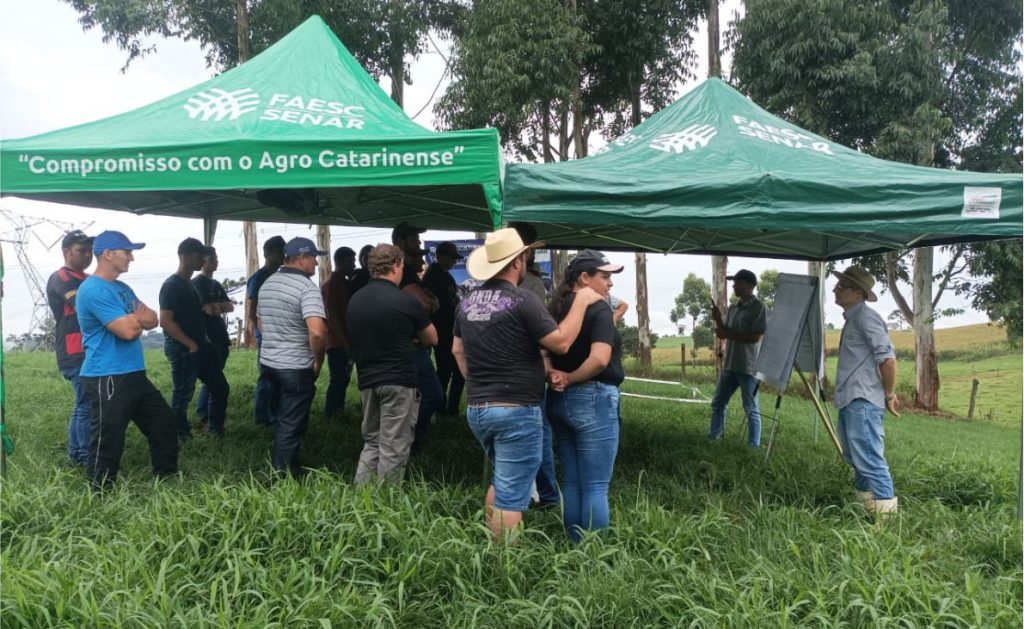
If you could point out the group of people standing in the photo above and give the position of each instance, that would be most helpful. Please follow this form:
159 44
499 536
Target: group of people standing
537 370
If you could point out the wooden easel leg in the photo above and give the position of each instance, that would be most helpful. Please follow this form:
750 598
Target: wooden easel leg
821 412
775 425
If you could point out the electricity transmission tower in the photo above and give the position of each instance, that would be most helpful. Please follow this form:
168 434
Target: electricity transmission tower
22 230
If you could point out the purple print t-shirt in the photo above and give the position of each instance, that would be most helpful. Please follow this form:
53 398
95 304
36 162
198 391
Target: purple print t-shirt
501 327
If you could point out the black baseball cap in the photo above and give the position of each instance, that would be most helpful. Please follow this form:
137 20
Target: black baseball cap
743 275
192 245
591 260
76 237
449 248
403 230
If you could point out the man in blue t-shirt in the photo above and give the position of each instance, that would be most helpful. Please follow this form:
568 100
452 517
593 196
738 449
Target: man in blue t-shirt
273 254
114 373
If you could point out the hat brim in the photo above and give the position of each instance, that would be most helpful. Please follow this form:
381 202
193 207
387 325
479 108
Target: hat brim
843 276
480 268
611 268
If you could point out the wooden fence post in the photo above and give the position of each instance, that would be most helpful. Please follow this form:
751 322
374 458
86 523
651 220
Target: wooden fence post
682 361
974 397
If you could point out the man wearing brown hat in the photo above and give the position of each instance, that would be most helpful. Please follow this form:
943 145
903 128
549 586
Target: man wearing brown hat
865 383
742 328
61 290
499 332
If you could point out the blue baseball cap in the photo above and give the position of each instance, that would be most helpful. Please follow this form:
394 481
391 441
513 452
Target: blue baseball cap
301 246
114 240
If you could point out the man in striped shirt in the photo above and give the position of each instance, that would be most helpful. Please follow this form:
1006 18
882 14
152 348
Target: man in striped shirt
290 314
61 291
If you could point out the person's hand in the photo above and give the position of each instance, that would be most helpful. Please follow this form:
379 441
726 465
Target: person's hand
588 296
211 309
559 380
716 315
192 346
317 366
892 403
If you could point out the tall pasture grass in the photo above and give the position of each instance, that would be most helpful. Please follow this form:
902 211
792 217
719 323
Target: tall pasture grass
704 535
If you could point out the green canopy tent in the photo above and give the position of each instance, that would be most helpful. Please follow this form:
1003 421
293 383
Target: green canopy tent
300 133
714 173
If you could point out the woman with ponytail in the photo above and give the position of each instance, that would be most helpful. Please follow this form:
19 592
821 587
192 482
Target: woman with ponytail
583 401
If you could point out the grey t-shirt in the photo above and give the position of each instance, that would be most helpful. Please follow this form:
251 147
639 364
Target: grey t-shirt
746 318
286 300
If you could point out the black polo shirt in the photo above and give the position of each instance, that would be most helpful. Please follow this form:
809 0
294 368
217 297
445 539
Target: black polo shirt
383 320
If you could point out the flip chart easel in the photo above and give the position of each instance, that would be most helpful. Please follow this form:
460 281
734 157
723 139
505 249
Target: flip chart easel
794 338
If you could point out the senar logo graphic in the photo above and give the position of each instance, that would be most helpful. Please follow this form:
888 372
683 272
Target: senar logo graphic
689 139
218 104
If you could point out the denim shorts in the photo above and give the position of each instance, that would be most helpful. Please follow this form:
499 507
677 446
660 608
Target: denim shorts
512 437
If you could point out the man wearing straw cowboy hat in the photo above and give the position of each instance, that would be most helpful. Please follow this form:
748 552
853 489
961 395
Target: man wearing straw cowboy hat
865 379
500 332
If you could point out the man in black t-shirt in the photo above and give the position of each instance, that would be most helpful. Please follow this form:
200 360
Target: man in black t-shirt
216 304
441 284
499 332
383 321
407 239
186 344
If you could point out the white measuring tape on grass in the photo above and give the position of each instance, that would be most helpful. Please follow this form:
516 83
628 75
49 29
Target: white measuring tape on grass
699 398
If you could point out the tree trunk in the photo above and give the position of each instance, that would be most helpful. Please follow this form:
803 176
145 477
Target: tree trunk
816 268
720 293
323 243
643 320
252 257
927 383
719 264
714 61
397 73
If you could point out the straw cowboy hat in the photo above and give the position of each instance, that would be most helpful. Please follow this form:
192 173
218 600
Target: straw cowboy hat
857 277
500 248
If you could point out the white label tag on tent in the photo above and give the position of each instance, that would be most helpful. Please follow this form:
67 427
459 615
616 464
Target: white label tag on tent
981 202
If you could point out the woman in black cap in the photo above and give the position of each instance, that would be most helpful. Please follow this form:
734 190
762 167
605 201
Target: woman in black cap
583 400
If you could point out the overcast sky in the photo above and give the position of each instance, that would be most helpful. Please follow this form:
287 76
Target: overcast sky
54 75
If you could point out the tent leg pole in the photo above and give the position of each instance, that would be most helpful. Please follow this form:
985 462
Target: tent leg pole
775 426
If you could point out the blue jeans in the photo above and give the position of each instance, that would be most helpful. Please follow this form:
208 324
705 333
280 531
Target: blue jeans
296 389
547 485
862 436
203 403
728 382
511 436
431 395
585 418
81 416
186 367
340 365
265 394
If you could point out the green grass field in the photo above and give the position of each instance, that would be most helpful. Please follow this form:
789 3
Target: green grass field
703 535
